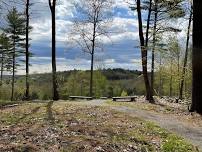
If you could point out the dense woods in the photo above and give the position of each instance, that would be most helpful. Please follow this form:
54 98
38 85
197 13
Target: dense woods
167 59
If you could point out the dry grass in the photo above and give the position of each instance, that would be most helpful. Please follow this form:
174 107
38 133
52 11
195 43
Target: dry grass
65 126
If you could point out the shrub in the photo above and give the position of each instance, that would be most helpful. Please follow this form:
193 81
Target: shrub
124 93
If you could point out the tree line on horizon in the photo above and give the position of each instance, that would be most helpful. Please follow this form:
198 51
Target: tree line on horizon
167 55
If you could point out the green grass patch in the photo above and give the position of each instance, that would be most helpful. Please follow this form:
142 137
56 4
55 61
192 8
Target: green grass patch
174 143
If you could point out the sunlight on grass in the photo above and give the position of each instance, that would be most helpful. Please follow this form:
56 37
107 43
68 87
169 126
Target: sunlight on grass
79 127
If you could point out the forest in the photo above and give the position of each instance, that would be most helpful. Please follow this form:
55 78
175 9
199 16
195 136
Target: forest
136 60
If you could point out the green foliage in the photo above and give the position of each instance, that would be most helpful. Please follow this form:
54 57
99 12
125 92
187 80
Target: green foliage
124 93
16 31
169 71
176 144
34 96
78 84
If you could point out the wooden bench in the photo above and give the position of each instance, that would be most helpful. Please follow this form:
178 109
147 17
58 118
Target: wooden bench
80 97
103 98
127 98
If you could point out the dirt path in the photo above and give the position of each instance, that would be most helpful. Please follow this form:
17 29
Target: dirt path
190 133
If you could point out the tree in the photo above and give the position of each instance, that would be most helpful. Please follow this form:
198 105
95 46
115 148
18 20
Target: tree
90 26
77 83
162 12
197 58
27 52
52 6
16 32
186 54
4 54
144 51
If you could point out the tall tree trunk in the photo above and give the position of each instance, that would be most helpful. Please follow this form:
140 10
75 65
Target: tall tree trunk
54 76
92 57
154 46
171 80
197 58
27 51
13 72
144 54
186 57
160 77
91 74
2 69
178 74
148 23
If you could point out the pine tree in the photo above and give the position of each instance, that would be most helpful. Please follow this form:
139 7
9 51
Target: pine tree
16 31
27 45
4 55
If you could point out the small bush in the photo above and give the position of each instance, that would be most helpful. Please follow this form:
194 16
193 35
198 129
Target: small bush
45 97
124 93
34 96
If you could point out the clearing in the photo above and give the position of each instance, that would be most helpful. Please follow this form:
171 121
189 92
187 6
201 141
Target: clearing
83 126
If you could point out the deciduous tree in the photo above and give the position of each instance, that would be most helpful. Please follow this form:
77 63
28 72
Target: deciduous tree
52 6
90 26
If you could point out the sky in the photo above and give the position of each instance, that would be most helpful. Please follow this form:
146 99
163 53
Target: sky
120 52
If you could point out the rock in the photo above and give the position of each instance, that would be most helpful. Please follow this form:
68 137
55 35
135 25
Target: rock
99 149
133 147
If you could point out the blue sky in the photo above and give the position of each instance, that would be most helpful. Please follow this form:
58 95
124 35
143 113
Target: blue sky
119 52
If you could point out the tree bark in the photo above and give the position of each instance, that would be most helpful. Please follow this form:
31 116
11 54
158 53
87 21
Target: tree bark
54 76
171 80
160 77
197 58
2 68
148 23
91 74
13 72
92 55
185 58
27 96
154 46
144 54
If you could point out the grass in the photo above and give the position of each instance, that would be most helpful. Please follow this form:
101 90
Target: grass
66 126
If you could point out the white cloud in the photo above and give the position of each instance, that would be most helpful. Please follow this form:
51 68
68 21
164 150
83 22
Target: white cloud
109 61
122 27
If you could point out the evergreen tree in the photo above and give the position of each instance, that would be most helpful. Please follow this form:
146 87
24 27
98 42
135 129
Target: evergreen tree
27 51
16 32
4 54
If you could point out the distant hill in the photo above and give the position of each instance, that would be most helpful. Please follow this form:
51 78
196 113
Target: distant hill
111 82
110 74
